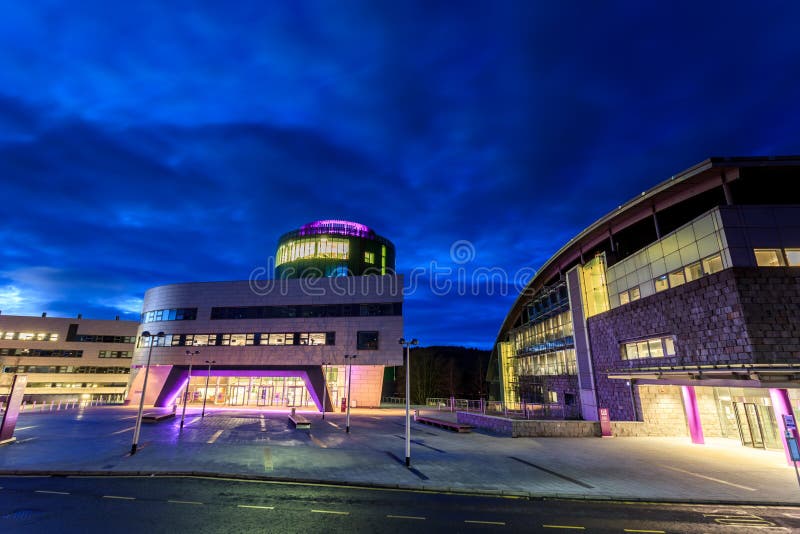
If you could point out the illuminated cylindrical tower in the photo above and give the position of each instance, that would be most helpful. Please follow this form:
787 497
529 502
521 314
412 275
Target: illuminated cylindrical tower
333 248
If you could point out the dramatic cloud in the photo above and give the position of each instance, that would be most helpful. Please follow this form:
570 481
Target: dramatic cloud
152 143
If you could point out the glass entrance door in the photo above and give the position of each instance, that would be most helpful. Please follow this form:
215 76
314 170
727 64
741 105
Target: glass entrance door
294 395
237 395
265 394
750 429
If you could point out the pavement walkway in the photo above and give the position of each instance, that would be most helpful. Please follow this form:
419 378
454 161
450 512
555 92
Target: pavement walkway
263 445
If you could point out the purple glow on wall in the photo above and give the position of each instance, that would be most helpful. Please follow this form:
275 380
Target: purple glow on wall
781 405
335 226
692 415
174 393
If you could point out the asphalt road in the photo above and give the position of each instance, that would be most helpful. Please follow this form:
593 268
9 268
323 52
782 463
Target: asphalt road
153 505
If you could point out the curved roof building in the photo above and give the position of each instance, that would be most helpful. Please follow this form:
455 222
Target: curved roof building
332 248
687 296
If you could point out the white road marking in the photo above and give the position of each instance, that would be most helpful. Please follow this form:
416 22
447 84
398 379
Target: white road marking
129 417
405 517
123 430
255 506
329 512
184 502
333 424
119 497
53 492
710 478
474 521
26 427
217 434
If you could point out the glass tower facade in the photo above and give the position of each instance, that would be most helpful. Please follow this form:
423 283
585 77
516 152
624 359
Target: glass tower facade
330 248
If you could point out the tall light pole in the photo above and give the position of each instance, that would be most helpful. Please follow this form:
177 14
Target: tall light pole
138 426
349 357
407 345
325 386
186 393
205 393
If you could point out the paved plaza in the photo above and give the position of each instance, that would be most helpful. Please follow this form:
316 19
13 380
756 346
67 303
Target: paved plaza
262 444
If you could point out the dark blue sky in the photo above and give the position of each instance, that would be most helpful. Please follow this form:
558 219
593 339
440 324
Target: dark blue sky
142 144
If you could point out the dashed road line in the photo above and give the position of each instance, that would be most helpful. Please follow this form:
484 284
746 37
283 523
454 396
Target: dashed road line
406 517
26 427
334 512
51 492
568 527
263 424
333 424
641 530
217 434
122 497
258 507
184 502
477 522
709 478
129 417
123 430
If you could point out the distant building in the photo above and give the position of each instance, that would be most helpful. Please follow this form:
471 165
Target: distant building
66 359
680 309
278 342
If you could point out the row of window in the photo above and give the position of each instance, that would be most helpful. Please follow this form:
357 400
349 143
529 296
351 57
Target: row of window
240 340
77 385
29 336
371 309
365 340
90 338
114 354
549 334
174 314
656 347
67 369
42 352
776 257
693 271
309 310
313 247
556 363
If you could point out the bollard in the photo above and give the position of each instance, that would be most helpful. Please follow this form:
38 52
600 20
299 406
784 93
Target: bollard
52 403
58 408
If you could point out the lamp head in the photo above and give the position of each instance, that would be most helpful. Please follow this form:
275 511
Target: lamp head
414 342
402 341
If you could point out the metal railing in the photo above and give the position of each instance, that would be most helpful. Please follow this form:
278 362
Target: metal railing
515 411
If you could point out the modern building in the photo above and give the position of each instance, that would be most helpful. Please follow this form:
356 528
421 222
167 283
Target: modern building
679 310
300 339
66 359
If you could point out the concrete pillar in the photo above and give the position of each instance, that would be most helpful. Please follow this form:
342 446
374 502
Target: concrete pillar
692 415
781 407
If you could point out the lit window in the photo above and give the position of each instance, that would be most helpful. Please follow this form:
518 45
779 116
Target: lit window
661 283
793 257
634 294
275 339
693 271
26 336
369 257
251 339
676 279
643 348
669 346
656 349
238 340
624 298
769 257
201 339
713 264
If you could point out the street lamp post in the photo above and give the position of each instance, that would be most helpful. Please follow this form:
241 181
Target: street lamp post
186 393
349 357
205 393
407 345
325 386
138 426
